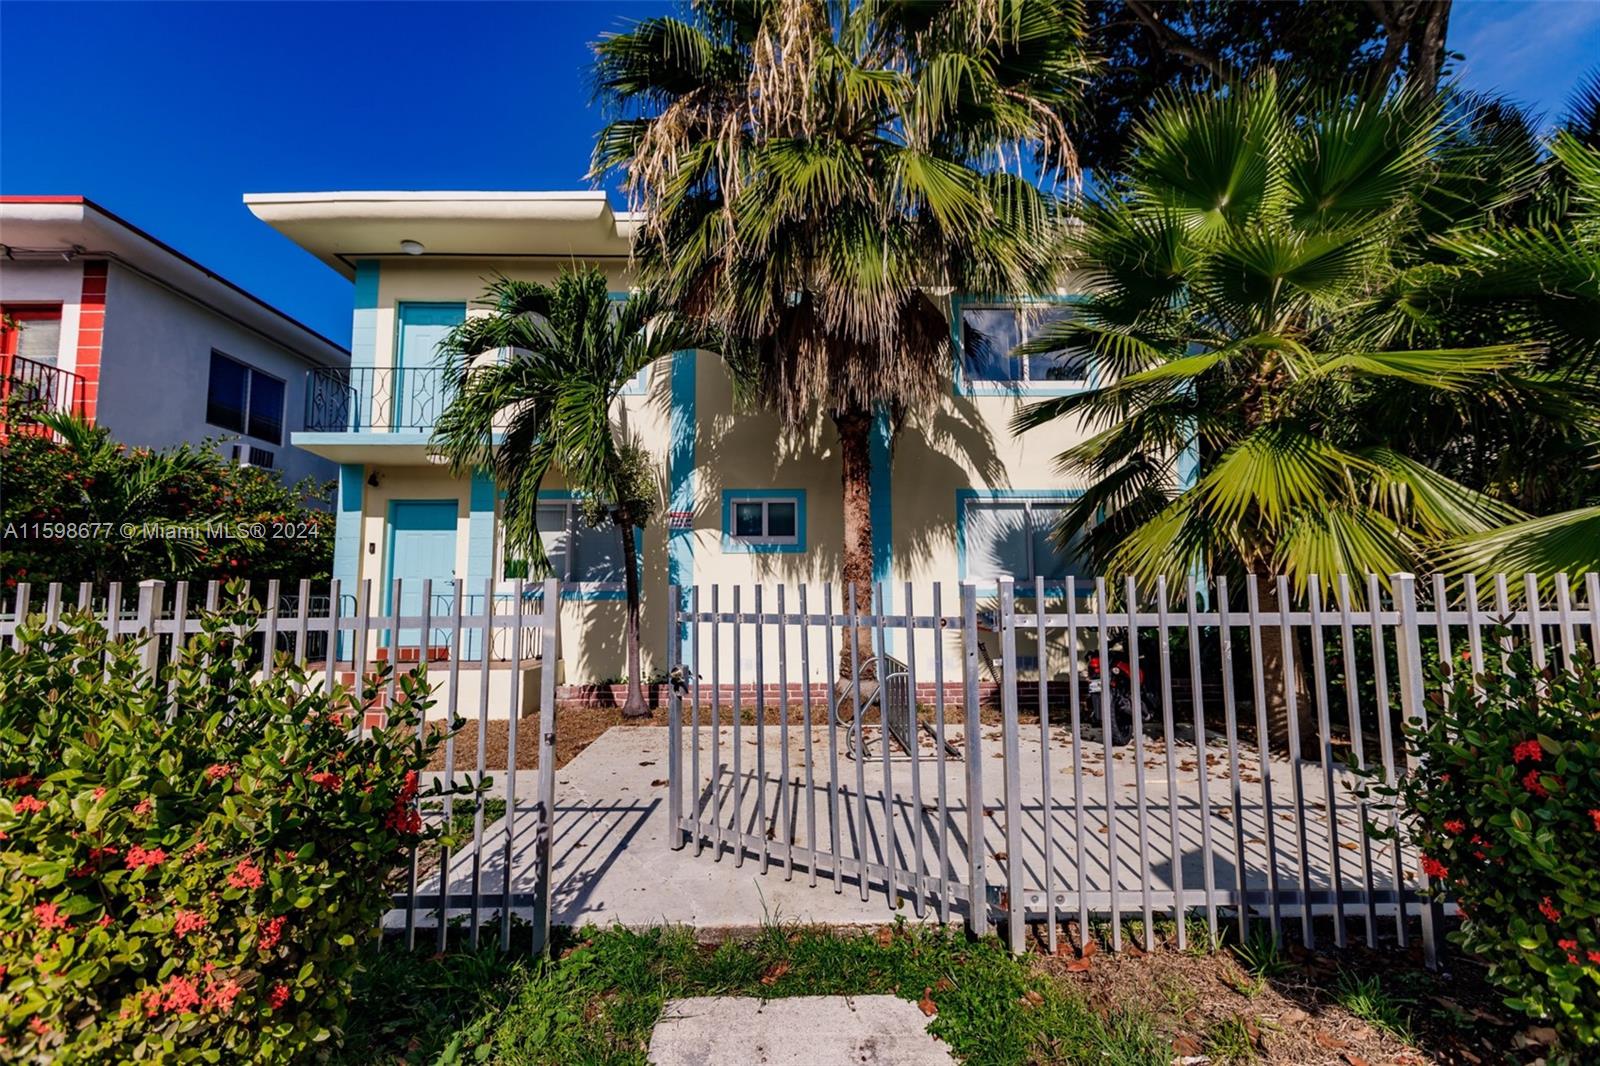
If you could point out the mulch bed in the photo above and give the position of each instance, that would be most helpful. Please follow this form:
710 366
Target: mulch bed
576 728
1293 1017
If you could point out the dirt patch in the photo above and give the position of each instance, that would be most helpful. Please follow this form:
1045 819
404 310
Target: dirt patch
1356 1007
576 728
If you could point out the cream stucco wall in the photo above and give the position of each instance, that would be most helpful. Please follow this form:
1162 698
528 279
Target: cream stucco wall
959 442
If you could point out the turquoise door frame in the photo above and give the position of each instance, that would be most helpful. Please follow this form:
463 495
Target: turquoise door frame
418 393
421 545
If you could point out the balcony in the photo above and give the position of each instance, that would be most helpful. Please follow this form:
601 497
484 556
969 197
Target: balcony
28 388
383 399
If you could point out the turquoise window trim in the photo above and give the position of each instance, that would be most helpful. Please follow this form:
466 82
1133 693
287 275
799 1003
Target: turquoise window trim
588 592
962 387
964 496
640 383
681 480
733 546
364 323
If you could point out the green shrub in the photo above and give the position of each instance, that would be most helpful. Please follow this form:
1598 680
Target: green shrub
1504 808
190 865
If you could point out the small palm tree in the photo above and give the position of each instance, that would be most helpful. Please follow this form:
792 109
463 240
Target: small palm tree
1237 277
817 178
549 406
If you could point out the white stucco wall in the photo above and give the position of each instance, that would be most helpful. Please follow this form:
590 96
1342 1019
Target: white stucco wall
155 365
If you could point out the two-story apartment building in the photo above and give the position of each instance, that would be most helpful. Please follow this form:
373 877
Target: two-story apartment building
955 494
103 319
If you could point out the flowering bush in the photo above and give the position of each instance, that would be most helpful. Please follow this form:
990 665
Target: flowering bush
1504 806
189 864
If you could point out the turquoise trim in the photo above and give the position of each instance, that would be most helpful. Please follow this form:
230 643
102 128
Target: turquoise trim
364 326
347 535
640 383
732 546
481 528
880 508
965 495
680 469
963 387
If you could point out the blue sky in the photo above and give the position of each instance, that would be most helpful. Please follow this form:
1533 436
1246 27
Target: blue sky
168 113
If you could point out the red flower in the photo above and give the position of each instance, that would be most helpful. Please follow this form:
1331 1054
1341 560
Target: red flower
38 1025
1530 781
1571 948
1594 957
220 997
1594 816
278 996
144 806
138 857
217 771
50 916
271 933
1548 909
180 993
98 792
188 922
328 780
1434 868
27 803
1455 825
245 875
105 921
1527 751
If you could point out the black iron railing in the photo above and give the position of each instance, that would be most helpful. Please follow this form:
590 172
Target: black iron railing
368 399
28 387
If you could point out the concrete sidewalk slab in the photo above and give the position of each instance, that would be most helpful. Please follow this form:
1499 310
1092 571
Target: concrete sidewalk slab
801 1031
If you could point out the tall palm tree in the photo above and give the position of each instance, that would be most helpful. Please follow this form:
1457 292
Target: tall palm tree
1236 273
817 178
549 406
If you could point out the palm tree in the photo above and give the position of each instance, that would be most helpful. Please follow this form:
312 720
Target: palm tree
818 177
548 406
1237 273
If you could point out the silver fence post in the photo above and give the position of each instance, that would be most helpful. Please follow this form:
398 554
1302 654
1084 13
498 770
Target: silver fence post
550 645
1412 704
151 599
675 836
1012 756
972 754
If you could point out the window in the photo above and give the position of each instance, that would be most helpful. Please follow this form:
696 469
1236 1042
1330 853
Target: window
763 521
1013 536
990 336
32 333
244 399
579 554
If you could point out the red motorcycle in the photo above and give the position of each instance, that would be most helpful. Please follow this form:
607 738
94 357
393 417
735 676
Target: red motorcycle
1121 674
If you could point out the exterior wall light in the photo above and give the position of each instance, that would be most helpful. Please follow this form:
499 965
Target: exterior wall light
411 247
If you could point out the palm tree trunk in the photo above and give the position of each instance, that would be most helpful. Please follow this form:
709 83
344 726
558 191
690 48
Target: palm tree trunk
634 706
1274 680
855 453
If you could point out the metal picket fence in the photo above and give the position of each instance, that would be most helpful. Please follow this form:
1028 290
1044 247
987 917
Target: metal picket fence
1219 804
341 637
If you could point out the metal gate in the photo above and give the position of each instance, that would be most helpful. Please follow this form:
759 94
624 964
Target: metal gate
965 780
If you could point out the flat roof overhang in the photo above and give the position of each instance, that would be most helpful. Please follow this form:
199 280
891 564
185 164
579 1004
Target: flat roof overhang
340 228
405 448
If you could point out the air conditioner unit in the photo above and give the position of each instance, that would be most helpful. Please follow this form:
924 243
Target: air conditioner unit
250 455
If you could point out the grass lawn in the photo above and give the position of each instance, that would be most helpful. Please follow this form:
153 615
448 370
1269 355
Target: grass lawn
597 1000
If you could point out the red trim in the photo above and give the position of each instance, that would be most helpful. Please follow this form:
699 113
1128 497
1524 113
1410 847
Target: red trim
91 334
41 200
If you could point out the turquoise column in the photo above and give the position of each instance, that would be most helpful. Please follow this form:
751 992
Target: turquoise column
880 505
364 344
480 549
347 535
680 478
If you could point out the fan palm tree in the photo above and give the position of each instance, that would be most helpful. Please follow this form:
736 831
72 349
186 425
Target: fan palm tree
1234 274
818 177
549 407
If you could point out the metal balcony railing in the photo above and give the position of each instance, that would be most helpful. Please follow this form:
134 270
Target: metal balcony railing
377 399
28 387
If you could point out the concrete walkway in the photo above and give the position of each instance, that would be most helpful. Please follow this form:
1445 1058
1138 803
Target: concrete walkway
613 864
801 1031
